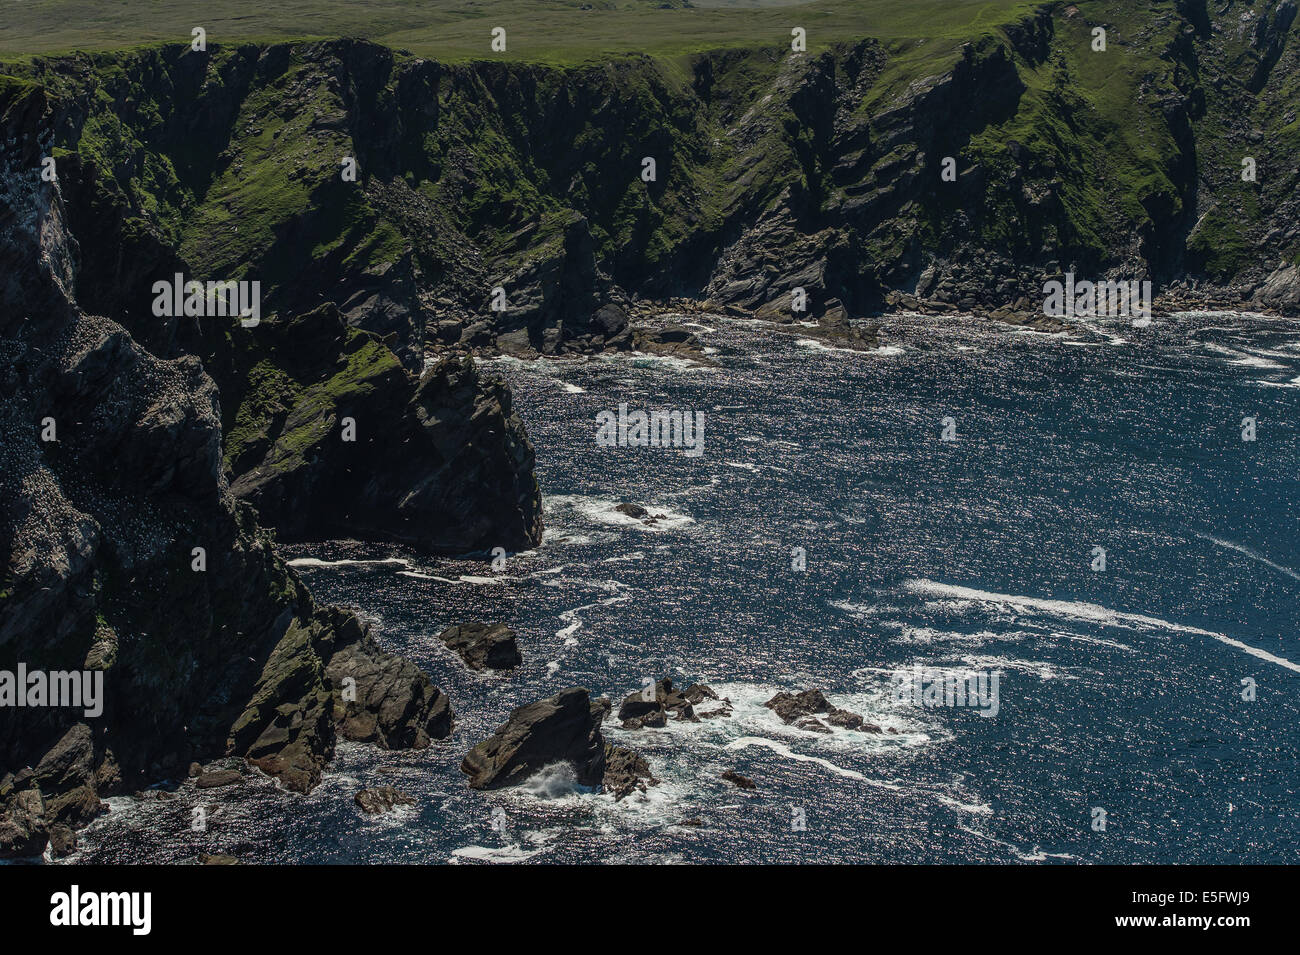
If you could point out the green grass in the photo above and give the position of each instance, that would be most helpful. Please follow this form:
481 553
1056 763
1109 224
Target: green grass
547 31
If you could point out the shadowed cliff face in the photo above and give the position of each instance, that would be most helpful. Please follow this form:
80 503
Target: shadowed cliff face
127 555
441 462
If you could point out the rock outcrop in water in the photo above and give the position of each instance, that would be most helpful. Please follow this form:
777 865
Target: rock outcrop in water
564 728
483 646
626 772
651 707
737 780
381 799
128 556
803 709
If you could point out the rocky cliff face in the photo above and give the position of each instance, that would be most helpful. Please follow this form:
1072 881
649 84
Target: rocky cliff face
772 171
332 437
127 554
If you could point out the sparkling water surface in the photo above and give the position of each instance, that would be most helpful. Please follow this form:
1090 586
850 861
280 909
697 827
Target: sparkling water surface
1120 690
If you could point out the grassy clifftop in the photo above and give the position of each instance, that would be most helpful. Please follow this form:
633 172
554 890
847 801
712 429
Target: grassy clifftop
549 31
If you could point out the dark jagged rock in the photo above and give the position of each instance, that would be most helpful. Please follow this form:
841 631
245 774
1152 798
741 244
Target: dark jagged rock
63 841
810 710
650 709
656 718
792 706
639 513
844 719
381 799
65 776
699 692
626 772
671 340
23 831
337 681
562 728
483 646
558 299
741 782
700 695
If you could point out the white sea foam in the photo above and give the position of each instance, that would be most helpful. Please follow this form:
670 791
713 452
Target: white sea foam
604 510
1095 641
978 808
928 635
1090 612
863 610
783 750
883 351
552 536
1111 338
574 623
507 854
314 562
1252 554
553 782
419 576
640 359
750 718
1038 668
1236 357
1036 855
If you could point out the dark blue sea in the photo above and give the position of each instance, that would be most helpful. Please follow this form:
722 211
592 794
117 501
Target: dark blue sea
1163 691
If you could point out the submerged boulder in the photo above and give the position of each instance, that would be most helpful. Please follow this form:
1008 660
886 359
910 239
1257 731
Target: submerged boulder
381 799
23 829
739 781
